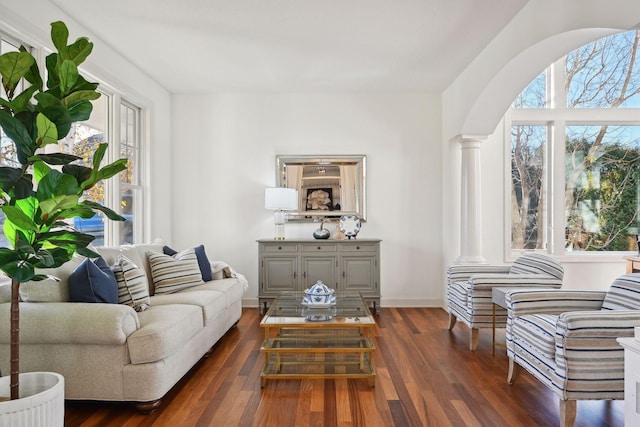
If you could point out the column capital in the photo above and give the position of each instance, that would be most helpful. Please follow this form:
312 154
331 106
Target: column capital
467 138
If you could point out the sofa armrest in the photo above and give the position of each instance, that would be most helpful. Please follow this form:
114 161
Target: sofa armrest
72 323
552 301
462 272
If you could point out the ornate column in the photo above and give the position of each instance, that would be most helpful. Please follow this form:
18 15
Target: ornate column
471 200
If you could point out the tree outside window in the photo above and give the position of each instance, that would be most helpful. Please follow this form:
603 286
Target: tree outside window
596 106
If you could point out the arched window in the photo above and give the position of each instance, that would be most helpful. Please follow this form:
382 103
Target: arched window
575 152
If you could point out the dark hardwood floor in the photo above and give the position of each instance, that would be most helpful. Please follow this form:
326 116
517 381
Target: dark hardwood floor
426 376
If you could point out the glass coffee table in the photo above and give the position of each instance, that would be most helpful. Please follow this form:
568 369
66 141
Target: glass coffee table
318 342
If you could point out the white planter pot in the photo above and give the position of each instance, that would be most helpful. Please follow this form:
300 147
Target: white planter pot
41 401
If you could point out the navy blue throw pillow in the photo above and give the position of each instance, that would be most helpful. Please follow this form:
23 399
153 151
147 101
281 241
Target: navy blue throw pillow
203 261
93 281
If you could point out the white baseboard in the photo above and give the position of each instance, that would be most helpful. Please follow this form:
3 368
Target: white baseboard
385 302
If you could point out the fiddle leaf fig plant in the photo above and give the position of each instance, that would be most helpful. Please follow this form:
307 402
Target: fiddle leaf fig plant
40 193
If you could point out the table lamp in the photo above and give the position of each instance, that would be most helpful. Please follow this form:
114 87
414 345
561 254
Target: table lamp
280 199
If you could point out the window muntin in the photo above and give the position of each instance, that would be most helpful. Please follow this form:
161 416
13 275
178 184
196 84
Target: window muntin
597 131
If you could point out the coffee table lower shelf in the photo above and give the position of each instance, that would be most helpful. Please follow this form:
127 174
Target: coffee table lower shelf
296 354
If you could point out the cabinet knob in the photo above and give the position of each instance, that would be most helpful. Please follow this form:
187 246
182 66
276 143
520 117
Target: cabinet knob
358 247
279 248
344 274
319 248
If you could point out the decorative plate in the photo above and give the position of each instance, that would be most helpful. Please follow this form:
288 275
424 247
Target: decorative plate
350 225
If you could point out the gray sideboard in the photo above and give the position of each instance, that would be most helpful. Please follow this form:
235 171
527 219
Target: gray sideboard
296 264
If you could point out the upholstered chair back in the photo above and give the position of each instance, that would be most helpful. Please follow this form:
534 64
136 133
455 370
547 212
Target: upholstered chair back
535 263
623 294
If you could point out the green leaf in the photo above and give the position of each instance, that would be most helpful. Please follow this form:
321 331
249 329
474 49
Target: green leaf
78 210
15 182
88 253
19 134
51 207
81 173
21 271
47 99
80 111
59 34
22 101
77 52
40 169
68 76
112 215
13 67
19 219
55 158
80 95
8 255
68 240
56 183
55 258
33 75
47 131
60 116
51 62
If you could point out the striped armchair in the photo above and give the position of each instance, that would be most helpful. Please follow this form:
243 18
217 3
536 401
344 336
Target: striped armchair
567 340
469 288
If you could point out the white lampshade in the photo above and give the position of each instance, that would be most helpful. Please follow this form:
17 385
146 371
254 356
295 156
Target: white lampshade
280 198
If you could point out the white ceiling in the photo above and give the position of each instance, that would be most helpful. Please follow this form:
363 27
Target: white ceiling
297 45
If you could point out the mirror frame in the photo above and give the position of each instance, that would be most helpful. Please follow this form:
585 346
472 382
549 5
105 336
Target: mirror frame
358 160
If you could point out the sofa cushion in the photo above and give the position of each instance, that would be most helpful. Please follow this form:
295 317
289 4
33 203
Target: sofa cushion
163 330
212 303
231 288
93 281
203 260
173 273
50 290
132 284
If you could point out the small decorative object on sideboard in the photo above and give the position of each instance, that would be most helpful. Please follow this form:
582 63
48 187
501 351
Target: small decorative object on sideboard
321 233
350 225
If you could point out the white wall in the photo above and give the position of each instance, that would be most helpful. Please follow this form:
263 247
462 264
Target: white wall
224 149
30 20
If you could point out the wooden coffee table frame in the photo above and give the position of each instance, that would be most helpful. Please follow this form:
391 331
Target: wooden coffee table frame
295 347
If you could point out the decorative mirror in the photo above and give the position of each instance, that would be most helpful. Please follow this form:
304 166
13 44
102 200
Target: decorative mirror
328 186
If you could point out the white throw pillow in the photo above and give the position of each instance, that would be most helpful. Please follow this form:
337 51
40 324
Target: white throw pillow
174 273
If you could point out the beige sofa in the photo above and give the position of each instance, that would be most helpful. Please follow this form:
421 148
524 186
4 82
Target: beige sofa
112 352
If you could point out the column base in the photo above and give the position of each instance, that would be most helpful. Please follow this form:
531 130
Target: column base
471 259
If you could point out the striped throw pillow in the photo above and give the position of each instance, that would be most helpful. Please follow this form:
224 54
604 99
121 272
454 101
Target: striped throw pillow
132 284
173 273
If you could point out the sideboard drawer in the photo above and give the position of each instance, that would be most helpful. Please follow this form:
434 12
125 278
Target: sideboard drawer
365 247
280 247
319 247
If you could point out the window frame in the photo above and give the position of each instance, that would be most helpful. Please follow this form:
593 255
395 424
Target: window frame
557 117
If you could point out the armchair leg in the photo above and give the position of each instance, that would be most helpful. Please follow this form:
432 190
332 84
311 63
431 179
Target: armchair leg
475 334
514 370
567 413
452 321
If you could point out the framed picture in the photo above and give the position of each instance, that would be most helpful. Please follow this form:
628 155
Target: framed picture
319 199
